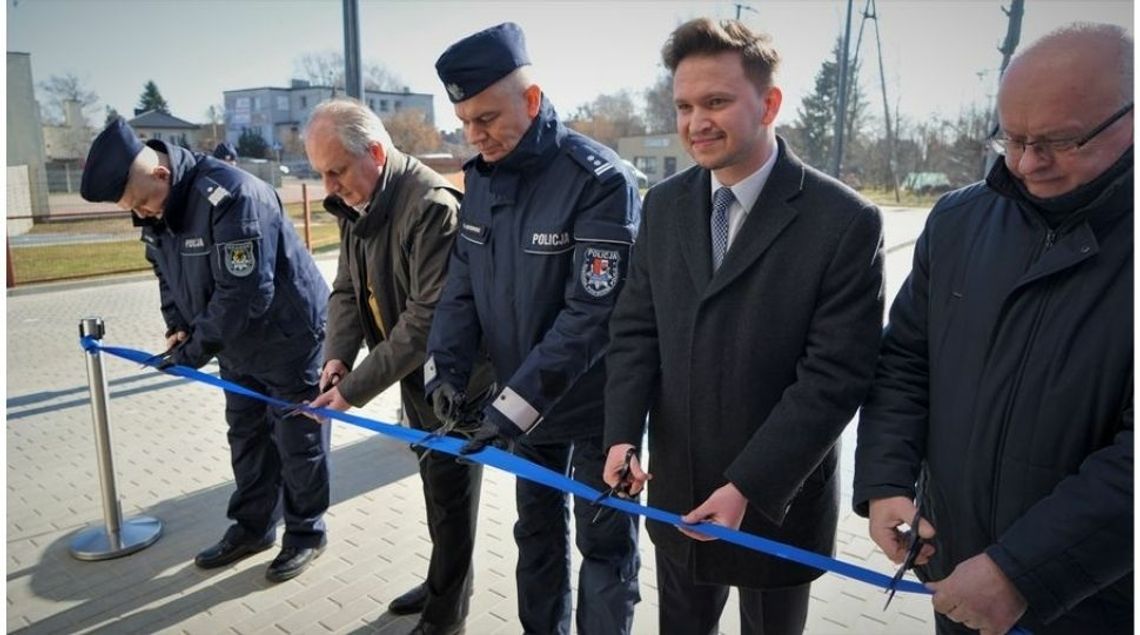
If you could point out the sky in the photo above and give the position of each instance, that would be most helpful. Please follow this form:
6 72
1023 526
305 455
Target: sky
940 56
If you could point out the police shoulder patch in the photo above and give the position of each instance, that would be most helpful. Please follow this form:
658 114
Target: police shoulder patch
600 268
593 161
239 258
212 190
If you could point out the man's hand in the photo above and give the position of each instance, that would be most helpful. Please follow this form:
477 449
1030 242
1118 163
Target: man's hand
886 514
447 402
615 461
331 399
332 372
979 595
725 506
175 338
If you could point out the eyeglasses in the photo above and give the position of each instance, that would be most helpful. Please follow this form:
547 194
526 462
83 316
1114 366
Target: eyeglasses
1050 147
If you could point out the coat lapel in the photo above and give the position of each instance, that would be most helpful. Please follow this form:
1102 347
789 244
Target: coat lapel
693 209
767 219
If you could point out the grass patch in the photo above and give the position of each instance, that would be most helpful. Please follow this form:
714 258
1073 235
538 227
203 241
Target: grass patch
907 198
58 262
43 263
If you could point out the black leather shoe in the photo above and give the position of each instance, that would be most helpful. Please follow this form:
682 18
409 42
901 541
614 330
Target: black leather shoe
411 602
226 552
292 561
427 628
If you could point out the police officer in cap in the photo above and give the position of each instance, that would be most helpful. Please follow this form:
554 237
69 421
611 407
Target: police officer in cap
226 152
236 283
546 225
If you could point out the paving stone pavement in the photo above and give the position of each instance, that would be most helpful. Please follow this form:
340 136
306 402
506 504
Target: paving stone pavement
172 462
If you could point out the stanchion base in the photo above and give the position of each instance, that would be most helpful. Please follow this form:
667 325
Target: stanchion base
136 534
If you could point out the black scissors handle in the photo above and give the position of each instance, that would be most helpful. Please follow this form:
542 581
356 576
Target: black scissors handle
913 546
621 489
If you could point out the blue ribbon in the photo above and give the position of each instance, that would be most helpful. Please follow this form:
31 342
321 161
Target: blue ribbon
525 469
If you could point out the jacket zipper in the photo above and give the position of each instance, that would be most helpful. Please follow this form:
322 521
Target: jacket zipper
1050 240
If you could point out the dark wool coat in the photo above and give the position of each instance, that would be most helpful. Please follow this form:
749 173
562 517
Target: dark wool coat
751 374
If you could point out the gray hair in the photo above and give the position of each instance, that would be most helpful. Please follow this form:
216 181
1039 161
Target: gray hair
355 124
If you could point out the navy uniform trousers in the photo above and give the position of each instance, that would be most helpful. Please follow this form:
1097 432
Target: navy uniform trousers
607 581
280 464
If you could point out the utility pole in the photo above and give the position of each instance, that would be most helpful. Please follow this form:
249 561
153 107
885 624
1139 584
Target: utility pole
870 12
353 82
745 7
1015 12
841 109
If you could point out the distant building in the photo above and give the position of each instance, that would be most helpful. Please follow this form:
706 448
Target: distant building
27 181
659 156
66 146
161 126
277 114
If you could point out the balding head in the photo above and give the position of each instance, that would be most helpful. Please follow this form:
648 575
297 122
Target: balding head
1062 87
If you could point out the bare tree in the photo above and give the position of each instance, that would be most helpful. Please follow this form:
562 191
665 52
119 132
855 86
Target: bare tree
660 113
327 69
379 77
58 90
322 69
608 118
411 132
216 117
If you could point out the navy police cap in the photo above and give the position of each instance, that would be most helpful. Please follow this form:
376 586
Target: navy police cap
109 163
225 151
472 64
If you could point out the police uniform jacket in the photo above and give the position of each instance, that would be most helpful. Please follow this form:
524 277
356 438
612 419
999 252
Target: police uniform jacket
1007 374
748 374
392 266
232 272
543 247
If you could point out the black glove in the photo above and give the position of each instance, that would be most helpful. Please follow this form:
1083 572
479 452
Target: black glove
447 402
191 352
492 433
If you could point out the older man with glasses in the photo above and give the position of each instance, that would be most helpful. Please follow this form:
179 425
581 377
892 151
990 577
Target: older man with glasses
1006 374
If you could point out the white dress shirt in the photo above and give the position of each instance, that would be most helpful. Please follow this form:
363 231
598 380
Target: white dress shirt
746 193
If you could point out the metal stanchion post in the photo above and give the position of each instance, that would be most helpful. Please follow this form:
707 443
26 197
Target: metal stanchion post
118 537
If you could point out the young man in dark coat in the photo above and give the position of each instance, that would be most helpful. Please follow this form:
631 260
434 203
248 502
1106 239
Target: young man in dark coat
397 220
1006 374
748 331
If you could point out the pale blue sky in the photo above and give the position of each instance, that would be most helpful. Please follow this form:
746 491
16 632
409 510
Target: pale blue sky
939 54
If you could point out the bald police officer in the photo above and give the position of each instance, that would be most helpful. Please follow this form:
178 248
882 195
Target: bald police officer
236 283
546 225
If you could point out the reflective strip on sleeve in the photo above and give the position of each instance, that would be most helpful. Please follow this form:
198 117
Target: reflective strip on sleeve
429 370
515 408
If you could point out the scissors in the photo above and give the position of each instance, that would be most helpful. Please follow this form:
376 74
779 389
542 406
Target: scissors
304 409
620 490
913 546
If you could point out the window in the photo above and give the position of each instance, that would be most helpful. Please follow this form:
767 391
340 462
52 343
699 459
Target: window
241 103
282 102
304 102
657 142
383 105
372 105
257 103
647 165
396 105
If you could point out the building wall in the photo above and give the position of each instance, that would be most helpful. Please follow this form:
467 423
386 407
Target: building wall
24 132
278 114
658 156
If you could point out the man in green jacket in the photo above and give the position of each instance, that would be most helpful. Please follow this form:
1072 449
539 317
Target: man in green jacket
397 221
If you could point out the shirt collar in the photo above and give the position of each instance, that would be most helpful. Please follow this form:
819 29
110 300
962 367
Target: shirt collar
747 191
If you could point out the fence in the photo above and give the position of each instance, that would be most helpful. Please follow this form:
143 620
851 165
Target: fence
76 239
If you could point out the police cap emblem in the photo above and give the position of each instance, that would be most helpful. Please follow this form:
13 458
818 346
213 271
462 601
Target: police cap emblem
239 258
456 91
